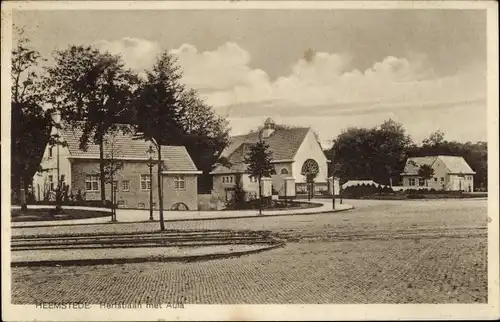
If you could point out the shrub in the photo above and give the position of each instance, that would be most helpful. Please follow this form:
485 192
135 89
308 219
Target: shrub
238 199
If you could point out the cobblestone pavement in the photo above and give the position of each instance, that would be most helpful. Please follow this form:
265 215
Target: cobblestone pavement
410 252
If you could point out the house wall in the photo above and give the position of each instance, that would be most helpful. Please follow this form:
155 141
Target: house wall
310 149
41 179
188 195
465 183
131 171
135 197
278 180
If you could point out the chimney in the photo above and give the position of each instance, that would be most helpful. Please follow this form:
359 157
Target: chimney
268 129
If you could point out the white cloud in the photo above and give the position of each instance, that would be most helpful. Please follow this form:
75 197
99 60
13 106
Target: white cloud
226 78
138 54
323 90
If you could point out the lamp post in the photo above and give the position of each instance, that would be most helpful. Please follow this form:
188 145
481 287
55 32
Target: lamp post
151 164
333 177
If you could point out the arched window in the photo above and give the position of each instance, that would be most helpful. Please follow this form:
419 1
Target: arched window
284 171
310 166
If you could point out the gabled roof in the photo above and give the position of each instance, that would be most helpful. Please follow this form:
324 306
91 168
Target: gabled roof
283 144
454 164
127 147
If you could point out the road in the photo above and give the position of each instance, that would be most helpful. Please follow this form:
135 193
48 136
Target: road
381 252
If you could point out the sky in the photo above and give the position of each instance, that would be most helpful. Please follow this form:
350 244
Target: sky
327 69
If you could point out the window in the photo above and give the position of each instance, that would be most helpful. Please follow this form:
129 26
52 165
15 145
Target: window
411 181
442 179
179 183
92 182
145 182
125 185
284 171
435 179
227 179
50 152
115 185
421 182
51 183
253 179
63 179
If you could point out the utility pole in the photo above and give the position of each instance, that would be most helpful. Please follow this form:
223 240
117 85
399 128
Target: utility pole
333 178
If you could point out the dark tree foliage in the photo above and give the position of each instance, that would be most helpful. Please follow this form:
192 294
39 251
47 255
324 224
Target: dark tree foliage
93 91
30 124
378 153
425 172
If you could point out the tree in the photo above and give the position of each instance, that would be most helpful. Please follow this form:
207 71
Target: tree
93 91
434 139
112 164
30 124
157 109
259 164
206 134
425 172
377 153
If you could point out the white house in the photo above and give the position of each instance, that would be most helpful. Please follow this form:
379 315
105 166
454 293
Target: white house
450 173
293 150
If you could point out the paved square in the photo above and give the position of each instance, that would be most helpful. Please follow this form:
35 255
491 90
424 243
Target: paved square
380 252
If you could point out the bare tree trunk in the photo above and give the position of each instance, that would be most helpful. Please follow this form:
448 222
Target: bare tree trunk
260 196
101 168
22 194
160 189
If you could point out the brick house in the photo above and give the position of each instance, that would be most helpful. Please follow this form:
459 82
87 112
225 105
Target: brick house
80 170
292 150
450 173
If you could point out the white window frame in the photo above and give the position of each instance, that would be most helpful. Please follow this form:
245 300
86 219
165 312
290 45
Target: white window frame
281 171
50 152
92 178
123 185
411 182
179 182
147 182
421 182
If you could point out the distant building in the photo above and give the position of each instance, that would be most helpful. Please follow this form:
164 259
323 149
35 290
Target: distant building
293 150
450 173
80 170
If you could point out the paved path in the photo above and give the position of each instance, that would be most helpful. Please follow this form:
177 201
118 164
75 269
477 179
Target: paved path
132 215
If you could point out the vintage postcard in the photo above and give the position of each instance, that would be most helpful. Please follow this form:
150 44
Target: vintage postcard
249 160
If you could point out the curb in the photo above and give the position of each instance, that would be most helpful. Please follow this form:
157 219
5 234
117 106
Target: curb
192 219
112 261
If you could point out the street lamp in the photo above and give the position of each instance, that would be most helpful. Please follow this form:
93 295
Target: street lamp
333 176
151 163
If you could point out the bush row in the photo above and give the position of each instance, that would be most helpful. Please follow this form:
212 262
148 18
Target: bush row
82 203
